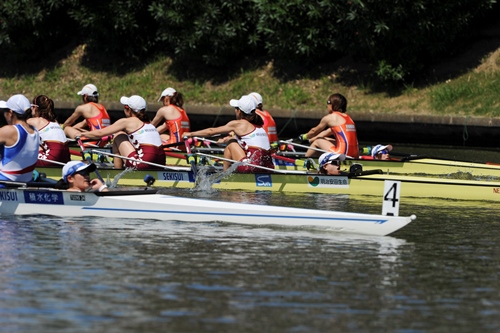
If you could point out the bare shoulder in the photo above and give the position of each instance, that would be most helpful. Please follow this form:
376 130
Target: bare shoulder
241 126
168 112
37 122
86 110
8 134
334 119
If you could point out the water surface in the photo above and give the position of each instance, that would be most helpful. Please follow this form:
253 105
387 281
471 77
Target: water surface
439 274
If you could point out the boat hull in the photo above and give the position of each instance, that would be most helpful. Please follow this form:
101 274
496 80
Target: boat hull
412 165
413 186
141 205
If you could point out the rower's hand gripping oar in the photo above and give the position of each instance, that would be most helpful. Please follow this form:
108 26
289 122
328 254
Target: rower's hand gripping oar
88 157
190 157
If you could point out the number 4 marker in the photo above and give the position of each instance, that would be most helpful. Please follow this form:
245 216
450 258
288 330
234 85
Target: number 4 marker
390 203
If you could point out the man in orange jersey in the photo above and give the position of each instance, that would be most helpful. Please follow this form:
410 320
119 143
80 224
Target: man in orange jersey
96 116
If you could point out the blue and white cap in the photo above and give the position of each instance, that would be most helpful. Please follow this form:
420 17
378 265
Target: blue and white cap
73 167
330 157
380 148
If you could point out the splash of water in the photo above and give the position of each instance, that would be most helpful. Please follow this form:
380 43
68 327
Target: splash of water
206 177
114 183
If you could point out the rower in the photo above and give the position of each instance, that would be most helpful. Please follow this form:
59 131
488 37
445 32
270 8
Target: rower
18 141
95 114
381 152
337 124
269 123
329 163
248 142
76 177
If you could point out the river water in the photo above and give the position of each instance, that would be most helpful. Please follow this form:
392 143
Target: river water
439 274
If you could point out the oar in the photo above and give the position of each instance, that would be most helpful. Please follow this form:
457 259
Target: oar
175 144
255 165
190 157
278 157
364 173
51 161
205 140
10 183
88 157
145 162
309 147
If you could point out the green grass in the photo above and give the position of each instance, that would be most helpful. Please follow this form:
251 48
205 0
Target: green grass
476 93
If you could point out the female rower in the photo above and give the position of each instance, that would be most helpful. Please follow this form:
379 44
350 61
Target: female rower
76 177
329 163
337 124
380 152
175 117
249 143
18 141
53 144
269 123
134 137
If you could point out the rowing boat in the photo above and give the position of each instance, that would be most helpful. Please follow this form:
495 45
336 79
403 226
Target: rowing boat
370 182
150 204
407 165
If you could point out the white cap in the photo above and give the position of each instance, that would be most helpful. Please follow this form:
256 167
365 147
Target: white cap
246 104
75 166
89 90
379 148
17 103
135 102
328 157
257 97
167 92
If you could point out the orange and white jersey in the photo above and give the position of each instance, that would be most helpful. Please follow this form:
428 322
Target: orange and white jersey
269 125
100 121
177 127
346 137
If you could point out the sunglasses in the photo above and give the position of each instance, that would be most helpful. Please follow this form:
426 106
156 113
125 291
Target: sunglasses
383 152
72 171
333 162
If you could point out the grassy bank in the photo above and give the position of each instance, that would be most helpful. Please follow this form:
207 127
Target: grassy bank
475 93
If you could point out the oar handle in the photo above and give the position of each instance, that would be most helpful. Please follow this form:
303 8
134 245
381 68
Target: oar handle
191 159
88 157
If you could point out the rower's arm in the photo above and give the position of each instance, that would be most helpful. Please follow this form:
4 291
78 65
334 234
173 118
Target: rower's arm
8 135
326 133
119 125
162 128
230 126
316 130
74 117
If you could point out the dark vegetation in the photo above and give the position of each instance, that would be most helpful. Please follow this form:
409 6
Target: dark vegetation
395 41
